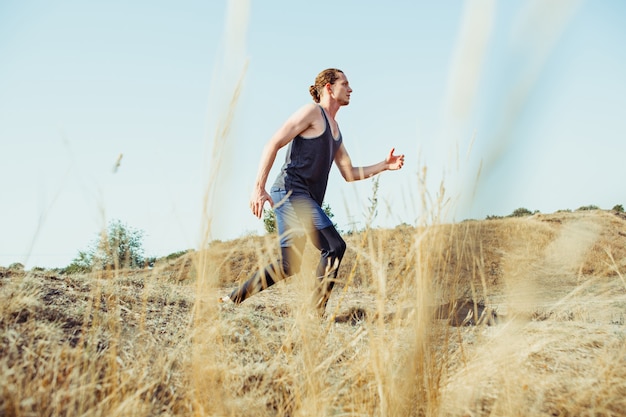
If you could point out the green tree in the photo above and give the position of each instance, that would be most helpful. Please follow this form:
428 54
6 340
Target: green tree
80 264
119 246
269 220
618 208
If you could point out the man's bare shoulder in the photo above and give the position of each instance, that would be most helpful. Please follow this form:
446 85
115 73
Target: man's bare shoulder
308 110
305 117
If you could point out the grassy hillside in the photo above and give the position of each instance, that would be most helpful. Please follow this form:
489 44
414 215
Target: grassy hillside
551 341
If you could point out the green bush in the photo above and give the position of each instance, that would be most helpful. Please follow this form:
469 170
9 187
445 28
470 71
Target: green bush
329 213
521 212
618 208
589 207
176 255
493 217
16 267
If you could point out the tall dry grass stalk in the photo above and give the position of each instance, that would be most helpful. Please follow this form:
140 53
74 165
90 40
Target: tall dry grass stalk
208 370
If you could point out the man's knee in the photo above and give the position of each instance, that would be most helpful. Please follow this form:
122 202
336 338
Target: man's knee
341 248
337 247
290 267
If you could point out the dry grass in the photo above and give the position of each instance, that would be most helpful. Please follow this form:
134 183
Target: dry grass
154 342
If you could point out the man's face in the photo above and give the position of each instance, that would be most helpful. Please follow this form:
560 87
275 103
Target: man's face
341 90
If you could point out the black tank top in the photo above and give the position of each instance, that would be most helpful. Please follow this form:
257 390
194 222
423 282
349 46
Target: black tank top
308 162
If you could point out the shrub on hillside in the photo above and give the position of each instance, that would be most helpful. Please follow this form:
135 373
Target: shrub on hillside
493 217
176 255
589 207
618 208
16 267
521 212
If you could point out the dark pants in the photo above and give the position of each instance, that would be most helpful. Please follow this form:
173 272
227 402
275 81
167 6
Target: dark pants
298 216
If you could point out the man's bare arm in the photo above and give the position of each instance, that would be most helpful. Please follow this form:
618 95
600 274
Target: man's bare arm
350 173
299 122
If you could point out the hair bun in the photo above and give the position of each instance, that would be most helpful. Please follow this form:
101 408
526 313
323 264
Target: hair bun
314 93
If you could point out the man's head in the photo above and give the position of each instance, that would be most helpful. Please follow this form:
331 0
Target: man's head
334 82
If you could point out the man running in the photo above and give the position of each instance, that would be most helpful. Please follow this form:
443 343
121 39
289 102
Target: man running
296 196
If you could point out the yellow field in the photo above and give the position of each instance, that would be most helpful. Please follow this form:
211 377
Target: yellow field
551 342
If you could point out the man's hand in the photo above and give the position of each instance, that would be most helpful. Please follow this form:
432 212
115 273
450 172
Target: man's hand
257 201
394 162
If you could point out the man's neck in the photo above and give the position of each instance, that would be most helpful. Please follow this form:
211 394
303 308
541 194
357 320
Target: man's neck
331 108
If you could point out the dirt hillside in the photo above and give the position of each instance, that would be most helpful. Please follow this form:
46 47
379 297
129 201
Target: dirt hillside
155 342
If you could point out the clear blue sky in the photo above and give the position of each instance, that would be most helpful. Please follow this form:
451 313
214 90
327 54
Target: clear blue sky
533 92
